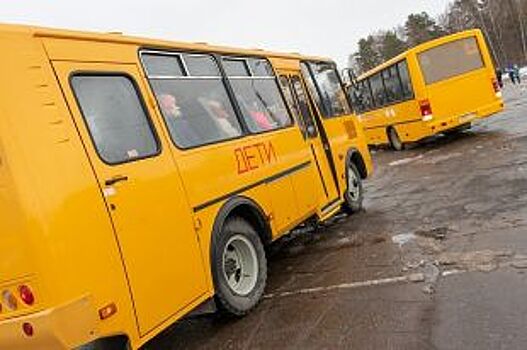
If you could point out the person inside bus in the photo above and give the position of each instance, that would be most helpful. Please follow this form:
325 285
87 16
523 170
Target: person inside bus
221 117
260 118
179 126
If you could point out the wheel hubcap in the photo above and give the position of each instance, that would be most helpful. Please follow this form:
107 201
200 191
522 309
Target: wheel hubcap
240 265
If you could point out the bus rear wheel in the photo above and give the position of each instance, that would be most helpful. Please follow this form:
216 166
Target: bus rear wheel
354 195
239 268
395 140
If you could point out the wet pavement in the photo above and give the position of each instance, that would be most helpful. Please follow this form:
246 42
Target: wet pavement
437 260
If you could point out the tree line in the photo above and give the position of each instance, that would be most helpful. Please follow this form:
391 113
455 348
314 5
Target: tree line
502 21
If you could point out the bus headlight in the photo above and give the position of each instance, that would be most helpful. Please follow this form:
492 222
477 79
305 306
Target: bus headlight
428 118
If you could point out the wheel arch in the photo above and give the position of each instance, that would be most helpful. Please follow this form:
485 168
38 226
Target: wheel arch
399 134
247 209
388 128
355 157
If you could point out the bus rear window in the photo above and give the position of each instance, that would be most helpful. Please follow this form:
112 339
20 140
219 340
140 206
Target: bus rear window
450 60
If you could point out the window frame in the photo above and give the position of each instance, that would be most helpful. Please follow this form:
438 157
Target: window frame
376 103
361 86
393 72
221 76
275 77
142 103
308 64
390 103
411 96
309 121
293 107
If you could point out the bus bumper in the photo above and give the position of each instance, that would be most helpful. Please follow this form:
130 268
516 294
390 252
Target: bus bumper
63 327
446 124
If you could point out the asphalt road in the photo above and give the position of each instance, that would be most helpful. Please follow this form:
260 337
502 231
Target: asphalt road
438 259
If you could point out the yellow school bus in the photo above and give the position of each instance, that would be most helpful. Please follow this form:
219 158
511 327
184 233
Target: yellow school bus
141 179
441 86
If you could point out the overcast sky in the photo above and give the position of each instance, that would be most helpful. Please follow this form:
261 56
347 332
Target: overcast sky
322 27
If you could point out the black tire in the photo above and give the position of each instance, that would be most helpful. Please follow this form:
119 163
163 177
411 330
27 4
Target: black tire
228 299
113 343
394 139
353 197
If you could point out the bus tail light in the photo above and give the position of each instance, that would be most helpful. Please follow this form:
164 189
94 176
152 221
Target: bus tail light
26 294
426 110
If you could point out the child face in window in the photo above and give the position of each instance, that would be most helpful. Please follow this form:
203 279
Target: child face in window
169 105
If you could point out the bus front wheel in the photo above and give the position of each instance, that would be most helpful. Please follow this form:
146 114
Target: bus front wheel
354 195
239 268
395 140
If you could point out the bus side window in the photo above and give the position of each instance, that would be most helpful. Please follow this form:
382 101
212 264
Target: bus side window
365 95
354 92
257 93
303 105
116 118
286 88
324 83
378 91
392 83
406 82
192 98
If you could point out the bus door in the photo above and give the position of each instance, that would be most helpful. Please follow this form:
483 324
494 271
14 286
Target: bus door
314 139
141 187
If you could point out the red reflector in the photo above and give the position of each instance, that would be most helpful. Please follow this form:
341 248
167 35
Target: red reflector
28 329
426 107
26 295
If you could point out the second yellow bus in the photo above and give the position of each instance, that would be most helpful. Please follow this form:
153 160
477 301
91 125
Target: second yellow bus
441 86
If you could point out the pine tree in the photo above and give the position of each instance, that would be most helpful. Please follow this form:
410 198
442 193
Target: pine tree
368 56
390 45
420 28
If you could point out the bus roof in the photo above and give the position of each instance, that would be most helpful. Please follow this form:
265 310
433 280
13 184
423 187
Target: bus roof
420 48
119 38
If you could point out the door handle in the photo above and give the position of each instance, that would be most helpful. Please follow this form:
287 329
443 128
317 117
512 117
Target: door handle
116 179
